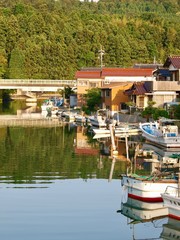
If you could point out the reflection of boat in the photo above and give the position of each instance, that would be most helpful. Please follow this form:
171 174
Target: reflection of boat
171 230
142 211
51 104
163 133
118 130
148 188
69 115
171 198
161 152
80 118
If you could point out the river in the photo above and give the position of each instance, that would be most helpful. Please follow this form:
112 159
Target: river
56 183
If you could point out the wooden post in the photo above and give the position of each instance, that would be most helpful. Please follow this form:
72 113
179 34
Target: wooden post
127 147
112 168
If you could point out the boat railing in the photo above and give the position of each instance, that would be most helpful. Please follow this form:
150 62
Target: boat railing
173 191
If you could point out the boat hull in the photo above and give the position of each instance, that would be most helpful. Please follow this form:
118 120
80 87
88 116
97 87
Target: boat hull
173 204
146 190
154 135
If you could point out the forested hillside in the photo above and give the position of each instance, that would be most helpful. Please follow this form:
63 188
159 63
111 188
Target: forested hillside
50 39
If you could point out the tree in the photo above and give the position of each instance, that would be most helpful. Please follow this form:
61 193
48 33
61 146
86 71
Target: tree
93 99
160 113
177 112
16 64
149 110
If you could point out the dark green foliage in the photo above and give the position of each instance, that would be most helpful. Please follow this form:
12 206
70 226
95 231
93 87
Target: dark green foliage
67 92
93 99
160 113
57 38
175 111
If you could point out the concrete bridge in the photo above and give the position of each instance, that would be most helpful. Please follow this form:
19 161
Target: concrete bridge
30 86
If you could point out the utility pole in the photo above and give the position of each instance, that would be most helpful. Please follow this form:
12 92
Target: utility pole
101 53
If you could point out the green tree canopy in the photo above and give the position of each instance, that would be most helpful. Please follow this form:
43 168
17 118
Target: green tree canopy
93 99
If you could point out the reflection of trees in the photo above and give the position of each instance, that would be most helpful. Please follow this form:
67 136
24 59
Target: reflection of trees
29 152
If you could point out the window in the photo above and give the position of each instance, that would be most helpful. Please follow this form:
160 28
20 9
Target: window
141 102
82 83
107 93
123 106
93 85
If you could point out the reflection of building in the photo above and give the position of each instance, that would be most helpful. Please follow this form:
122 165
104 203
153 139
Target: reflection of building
106 148
82 146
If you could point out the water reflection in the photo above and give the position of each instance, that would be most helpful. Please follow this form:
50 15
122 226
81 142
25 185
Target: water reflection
171 230
31 155
145 215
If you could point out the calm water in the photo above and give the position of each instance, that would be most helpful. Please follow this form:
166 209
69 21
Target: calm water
54 184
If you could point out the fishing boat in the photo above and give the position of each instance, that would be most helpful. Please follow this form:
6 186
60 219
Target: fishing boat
148 188
51 106
171 198
100 119
163 133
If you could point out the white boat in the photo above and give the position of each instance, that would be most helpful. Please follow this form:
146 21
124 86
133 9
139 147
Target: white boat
171 230
100 118
118 130
80 118
171 198
143 211
148 188
69 115
164 133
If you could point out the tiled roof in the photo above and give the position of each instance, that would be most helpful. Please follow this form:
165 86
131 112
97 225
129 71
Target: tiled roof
88 74
116 72
174 60
138 88
144 65
126 72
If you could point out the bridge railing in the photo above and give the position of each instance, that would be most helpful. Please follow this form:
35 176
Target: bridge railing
39 82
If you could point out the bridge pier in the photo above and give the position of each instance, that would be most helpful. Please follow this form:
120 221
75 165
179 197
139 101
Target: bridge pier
28 94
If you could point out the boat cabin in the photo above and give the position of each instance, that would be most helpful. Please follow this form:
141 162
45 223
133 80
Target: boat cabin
168 128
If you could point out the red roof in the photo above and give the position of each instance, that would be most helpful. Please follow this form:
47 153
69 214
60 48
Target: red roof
116 72
128 72
174 60
88 74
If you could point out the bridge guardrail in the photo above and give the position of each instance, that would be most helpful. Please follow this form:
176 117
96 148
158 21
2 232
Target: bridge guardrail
38 81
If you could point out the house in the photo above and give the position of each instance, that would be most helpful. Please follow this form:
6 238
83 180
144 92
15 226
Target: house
113 97
138 94
102 78
160 85
110 75
166 86
87 78
163 88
